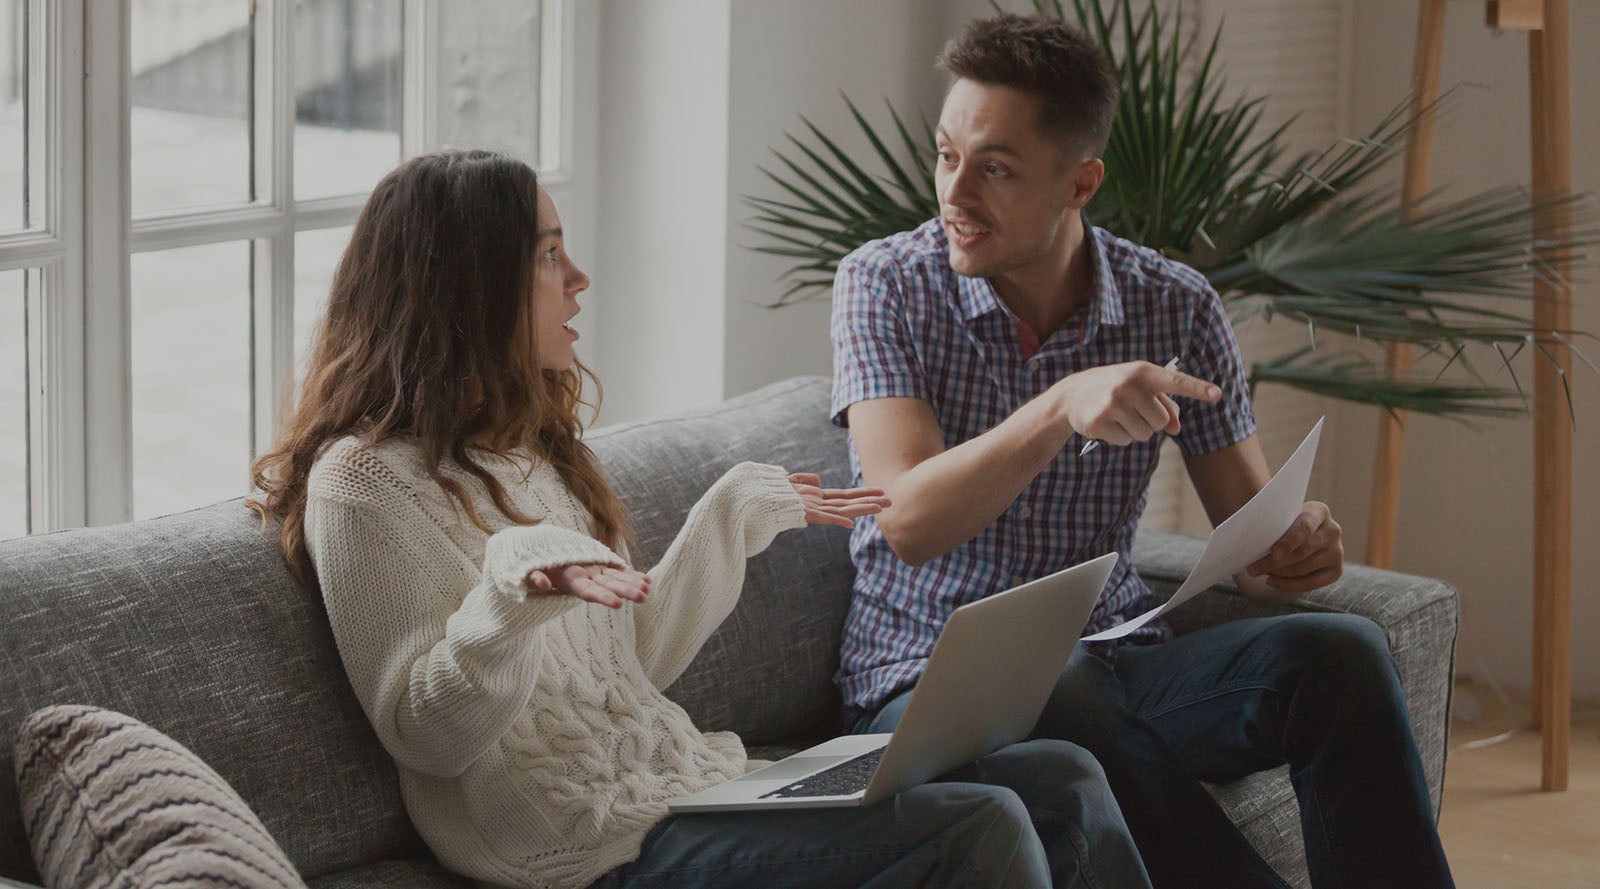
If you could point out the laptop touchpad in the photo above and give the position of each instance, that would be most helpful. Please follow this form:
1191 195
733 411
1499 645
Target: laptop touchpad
794 767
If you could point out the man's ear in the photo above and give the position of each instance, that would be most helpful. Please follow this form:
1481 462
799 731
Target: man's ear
1083 180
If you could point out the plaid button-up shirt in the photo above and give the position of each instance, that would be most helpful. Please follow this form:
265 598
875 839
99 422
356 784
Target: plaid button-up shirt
906 326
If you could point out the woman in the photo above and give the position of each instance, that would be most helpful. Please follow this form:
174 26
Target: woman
433 484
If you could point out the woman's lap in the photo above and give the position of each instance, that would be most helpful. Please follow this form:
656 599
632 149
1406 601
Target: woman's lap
1032 814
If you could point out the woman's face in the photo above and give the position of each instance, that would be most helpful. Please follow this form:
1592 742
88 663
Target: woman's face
556 285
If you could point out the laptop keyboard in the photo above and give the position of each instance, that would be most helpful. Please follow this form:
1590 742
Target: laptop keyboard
850 776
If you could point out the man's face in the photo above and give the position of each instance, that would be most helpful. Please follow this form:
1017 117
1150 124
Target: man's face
1005 190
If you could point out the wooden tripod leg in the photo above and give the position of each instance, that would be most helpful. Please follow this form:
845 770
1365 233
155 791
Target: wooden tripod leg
1551 101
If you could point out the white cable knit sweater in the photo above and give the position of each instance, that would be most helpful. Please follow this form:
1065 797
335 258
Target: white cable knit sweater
534 745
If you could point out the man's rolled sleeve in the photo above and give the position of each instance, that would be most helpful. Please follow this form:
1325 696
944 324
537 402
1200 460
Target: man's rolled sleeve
874 351
1212 353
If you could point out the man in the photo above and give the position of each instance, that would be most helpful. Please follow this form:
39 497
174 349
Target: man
974 359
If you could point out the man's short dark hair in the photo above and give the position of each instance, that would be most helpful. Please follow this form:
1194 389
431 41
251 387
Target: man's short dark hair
1063 66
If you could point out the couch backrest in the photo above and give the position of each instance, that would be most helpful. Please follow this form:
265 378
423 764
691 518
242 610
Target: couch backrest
191 623
767 671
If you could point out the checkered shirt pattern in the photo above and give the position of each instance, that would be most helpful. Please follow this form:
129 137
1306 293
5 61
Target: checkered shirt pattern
906 326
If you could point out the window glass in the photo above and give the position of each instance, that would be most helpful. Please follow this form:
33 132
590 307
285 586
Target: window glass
347 80
316 257
488 89
191 376
22 111
190 123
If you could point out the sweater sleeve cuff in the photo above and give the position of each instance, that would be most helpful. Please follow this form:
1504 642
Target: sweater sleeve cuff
515 551
768 502
501 609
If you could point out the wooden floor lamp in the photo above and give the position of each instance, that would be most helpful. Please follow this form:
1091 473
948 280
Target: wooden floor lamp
1548 25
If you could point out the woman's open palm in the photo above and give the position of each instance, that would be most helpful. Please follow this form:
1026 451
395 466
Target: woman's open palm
601 584
836 506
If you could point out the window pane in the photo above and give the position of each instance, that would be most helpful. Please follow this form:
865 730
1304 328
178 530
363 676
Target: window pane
316 256
488 80
347 95
191 376
14 406
190 123
22 110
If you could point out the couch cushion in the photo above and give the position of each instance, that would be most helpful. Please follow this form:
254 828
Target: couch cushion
192 623
1264 807
767 673
110 801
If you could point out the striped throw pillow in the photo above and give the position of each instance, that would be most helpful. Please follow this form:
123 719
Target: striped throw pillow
110 802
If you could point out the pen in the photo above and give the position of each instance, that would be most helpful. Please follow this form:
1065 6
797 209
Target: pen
1091 444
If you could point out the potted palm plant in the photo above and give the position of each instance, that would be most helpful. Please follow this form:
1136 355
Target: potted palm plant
1317 238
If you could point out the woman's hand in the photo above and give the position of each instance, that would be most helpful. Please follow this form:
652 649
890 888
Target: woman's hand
600 584
836 506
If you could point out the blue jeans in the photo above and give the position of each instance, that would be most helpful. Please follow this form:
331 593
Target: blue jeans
1317 691
990 824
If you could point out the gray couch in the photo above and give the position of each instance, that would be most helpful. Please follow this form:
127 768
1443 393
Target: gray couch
192 624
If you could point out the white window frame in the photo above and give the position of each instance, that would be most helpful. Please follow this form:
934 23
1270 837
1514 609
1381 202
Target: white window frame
55 333
82 473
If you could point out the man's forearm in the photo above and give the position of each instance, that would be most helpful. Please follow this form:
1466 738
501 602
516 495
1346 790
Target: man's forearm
951 497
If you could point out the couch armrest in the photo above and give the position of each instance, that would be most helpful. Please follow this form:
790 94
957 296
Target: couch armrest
1420 615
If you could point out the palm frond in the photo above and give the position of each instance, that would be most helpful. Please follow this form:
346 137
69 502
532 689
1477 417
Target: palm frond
1371 253
841 206
1354 378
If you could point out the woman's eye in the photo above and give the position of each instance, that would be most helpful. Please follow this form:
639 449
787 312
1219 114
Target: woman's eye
550 254
945 157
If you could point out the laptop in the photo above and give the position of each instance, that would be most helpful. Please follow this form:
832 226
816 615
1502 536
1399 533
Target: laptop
985 685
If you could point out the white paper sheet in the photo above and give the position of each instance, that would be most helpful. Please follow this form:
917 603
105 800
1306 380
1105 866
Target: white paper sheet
1243 537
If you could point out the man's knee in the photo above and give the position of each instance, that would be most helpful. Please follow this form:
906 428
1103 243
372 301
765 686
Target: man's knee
1345 644
1344 665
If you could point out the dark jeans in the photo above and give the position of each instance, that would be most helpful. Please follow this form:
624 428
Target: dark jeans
994 823
1317 691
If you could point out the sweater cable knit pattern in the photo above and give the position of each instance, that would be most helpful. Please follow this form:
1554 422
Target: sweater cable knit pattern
535 746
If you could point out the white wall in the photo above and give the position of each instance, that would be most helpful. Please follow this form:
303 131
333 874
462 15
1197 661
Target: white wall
792 59
1467 506
693 95
662 182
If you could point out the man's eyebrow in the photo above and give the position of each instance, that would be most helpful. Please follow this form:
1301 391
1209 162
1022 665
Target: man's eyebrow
998 148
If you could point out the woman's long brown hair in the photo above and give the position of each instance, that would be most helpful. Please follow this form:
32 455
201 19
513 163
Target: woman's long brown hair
429 335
